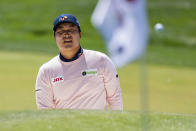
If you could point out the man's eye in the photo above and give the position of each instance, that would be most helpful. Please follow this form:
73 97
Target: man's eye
73 31
60 33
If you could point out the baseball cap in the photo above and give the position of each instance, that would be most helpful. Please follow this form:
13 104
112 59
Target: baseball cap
65 18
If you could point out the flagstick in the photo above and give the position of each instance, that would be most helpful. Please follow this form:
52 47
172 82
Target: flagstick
144 95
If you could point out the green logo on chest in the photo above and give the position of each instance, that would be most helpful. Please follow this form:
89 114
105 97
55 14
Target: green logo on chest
89 72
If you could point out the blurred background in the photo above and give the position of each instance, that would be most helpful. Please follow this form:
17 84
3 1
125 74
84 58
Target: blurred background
26 42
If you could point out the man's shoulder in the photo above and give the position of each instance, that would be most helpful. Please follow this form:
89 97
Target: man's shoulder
50 64
97 58
95 54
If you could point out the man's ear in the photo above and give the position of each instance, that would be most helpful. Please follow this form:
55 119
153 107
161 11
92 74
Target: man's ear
80 34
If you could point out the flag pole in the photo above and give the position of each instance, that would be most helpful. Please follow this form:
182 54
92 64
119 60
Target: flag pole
144 94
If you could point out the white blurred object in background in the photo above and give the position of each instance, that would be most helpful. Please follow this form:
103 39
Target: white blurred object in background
124 26
158 27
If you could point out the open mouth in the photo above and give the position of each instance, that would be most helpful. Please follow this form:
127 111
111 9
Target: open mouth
67 41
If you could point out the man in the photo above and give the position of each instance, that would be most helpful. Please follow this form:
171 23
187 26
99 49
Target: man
77 78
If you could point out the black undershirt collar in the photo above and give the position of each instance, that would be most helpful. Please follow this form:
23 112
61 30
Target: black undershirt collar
78 54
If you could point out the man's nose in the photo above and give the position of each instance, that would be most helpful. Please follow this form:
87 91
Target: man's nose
67 34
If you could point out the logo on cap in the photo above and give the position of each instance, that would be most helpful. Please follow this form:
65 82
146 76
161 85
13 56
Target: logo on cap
63 18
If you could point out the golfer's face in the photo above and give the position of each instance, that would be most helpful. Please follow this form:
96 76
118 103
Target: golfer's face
67 37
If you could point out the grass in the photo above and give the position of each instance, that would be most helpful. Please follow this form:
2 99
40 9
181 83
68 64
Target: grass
74 120
29 28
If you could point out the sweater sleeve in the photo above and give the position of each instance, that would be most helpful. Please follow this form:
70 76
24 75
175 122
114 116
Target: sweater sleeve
43 91
112 86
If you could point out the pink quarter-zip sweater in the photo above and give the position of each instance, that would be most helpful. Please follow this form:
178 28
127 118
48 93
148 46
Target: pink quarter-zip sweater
90 82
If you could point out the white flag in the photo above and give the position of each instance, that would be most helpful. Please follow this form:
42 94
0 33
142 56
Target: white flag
124 26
